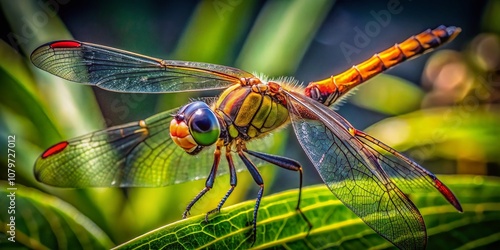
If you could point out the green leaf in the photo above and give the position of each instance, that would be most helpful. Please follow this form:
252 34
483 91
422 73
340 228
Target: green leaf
222 25
22 112
62 98
459 132
280 23
42 221
42 109
389 95
334 225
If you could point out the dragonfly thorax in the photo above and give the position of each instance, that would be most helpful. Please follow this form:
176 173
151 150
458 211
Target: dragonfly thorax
363 172
195 126
250 111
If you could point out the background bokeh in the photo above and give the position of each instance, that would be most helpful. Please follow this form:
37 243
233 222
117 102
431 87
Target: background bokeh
441 109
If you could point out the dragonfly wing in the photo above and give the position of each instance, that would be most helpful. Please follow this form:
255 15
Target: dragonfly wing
135 154
123 71
407 174
353 173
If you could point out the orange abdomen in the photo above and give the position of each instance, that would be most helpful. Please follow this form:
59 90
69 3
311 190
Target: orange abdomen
327 91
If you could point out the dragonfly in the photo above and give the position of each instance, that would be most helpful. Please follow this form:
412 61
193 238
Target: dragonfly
175 146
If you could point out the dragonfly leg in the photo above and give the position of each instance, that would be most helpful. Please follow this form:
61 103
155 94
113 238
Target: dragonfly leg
208 184
232 176
258 179
288 164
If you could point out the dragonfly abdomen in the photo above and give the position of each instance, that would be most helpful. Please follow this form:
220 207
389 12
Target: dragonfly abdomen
329 90
249 111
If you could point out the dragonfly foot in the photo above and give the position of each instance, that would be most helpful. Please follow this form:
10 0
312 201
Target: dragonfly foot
213 211
252 235
185 214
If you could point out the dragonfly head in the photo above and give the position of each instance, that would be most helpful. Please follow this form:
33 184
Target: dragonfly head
194 127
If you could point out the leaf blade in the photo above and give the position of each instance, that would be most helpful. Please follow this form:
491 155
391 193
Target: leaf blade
35 212
279 226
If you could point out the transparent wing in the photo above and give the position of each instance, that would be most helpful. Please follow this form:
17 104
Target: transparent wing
123 71
407 174
139 154
353 173
135 154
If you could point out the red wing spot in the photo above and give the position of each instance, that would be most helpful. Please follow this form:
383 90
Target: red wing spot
448 195
65 44
55 149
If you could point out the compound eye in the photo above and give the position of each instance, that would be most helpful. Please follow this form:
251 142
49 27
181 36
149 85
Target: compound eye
204 126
